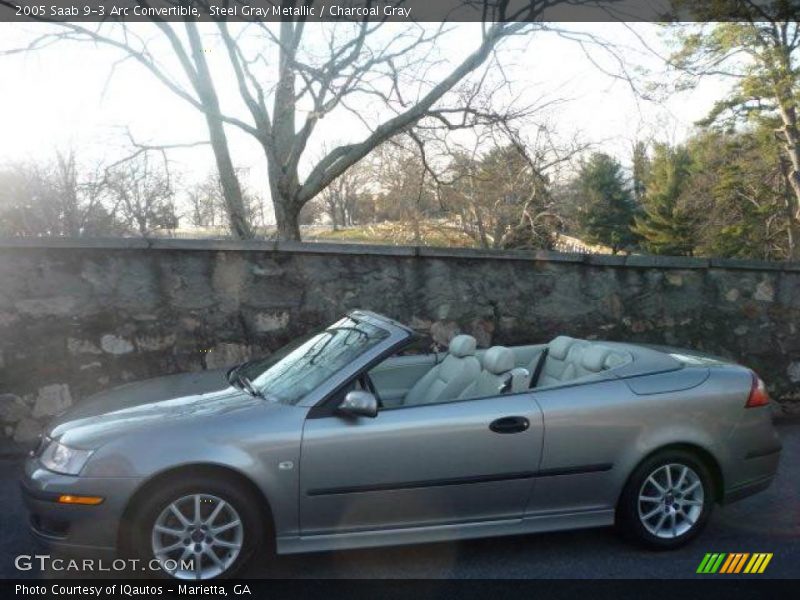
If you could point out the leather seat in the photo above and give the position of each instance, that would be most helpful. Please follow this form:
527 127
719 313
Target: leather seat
449 378
496 377
568 359
556 368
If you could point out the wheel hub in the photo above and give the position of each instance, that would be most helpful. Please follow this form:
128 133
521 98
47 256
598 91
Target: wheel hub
198 536
671 500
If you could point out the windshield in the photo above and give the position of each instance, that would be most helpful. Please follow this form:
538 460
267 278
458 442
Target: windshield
290 373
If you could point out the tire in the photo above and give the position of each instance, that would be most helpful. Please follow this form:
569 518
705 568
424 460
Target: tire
232 545
671 516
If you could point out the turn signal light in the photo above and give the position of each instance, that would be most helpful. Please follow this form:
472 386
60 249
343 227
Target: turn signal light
90 500
758 393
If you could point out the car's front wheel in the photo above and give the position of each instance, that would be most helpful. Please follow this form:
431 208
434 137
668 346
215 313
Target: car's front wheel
198 528
667 500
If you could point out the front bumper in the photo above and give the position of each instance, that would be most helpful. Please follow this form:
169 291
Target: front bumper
68 527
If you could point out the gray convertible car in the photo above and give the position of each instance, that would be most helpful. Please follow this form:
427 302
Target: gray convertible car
347 438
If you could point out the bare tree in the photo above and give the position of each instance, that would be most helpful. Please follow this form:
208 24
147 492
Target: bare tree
142 195
503 194
313 73
405 191
341 198
54 198
206 202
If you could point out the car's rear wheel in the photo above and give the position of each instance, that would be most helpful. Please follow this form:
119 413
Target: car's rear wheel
667 500
198 529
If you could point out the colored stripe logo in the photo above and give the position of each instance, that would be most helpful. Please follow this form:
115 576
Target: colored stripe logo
734 562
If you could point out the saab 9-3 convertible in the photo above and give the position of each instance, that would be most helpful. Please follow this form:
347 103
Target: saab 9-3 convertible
345 439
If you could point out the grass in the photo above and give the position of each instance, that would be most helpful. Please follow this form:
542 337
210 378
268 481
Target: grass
431 233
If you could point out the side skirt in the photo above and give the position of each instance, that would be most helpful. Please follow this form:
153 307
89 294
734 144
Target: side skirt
442 533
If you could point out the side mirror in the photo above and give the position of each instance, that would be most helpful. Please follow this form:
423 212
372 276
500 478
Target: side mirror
359 403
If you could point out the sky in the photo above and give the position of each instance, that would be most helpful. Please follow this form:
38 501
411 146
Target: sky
65 97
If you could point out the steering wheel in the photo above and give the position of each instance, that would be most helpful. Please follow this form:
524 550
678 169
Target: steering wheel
367 384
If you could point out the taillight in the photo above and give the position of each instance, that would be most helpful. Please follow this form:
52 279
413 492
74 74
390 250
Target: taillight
758 393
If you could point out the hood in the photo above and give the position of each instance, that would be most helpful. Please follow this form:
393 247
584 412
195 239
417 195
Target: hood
151 403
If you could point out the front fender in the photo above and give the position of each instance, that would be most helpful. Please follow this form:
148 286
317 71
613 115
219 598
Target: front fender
262 445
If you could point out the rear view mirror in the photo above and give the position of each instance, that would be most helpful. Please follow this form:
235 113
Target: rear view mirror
359 403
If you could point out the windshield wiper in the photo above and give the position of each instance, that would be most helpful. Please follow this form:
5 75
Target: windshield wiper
243 382
248 386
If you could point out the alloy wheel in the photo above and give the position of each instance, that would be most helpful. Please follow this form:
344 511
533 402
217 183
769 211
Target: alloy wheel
198 536
671 500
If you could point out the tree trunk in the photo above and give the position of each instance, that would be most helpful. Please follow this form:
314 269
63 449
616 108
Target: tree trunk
793 234
287 220
483 238
789 169
231 190
787 105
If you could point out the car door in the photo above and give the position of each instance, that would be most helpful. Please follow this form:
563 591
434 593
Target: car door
454 462
593 431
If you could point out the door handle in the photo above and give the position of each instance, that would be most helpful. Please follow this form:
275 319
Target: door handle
510 425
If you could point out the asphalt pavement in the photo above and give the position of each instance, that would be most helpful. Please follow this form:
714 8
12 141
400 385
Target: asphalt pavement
767 522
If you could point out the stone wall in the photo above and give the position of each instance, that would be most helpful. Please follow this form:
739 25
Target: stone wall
79 315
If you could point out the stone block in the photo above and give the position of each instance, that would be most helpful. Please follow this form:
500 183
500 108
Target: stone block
52 400
226 354
115 345
55 306
12 408
266 322
27 430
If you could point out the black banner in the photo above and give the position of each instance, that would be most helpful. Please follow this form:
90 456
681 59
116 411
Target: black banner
434 589
392 10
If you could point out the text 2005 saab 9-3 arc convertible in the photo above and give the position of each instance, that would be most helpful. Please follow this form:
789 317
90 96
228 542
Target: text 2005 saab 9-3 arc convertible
345 439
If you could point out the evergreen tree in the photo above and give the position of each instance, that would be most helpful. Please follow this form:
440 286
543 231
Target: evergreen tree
739 194
759 53
667 227
607 207
641 170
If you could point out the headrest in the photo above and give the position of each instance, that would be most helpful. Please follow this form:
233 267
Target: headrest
463 345
498 359
559 347
594 357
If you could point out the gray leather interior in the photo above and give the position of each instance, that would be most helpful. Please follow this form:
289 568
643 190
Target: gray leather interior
449 378
496 376
463 345
467 372
569 359
395 376
498 360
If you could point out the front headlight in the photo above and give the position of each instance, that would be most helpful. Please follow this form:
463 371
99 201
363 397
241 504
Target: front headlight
63 459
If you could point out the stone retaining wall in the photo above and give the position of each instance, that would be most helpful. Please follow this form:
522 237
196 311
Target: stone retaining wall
79 315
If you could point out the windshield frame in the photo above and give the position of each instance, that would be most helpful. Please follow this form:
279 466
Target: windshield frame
398 334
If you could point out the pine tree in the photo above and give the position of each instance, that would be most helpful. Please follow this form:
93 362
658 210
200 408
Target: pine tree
759 53
641 170
666 227
607 210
